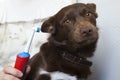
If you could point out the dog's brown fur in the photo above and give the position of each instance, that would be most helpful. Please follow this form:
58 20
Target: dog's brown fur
73 31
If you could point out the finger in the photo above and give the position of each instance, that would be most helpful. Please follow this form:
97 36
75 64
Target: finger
28 69
13 71
4 76
10 77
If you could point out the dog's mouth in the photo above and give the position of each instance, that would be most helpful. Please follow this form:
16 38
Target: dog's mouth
87 41
84 41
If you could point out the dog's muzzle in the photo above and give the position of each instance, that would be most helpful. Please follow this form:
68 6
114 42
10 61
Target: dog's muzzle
84 32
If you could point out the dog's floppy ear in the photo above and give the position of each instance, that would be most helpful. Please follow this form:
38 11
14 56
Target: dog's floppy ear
92 6
48 26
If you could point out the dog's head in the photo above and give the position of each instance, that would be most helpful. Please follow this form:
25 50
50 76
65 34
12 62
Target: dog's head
74 24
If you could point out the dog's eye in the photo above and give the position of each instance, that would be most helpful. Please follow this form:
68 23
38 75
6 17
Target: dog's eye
88 14
67 21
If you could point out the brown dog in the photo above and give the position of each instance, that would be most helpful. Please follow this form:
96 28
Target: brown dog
73 39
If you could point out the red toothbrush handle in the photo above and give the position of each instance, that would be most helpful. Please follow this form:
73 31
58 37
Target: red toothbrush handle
21 63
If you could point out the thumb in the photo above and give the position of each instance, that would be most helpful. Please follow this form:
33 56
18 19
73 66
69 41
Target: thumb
28 68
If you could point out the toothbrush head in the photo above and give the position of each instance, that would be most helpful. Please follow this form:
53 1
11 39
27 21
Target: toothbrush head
36 29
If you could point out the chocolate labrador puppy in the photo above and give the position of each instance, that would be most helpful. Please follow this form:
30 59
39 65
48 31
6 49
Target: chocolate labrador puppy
73 39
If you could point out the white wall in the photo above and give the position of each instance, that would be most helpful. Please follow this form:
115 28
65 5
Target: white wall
109 46
107 56
17 10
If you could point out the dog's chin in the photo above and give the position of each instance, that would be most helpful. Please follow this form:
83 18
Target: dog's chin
83 43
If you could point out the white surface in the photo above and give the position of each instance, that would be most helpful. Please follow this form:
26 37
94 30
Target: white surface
19 10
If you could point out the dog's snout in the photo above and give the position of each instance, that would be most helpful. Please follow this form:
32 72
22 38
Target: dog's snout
86 31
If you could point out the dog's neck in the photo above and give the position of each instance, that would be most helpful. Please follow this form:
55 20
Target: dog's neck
75 59
75 56
63 46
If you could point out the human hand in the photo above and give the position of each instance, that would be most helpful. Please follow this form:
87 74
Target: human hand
10 73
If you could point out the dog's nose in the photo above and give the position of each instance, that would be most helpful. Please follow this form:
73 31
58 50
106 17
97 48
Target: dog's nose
86 31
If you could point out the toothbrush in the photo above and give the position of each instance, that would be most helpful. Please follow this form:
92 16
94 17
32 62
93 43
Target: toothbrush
23 57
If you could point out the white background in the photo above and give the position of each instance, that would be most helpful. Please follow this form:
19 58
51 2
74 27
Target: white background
107 55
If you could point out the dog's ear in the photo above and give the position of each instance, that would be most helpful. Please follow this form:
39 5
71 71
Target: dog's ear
48 26
92 6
